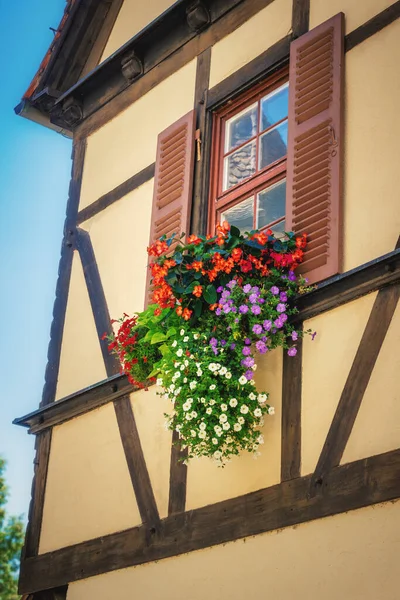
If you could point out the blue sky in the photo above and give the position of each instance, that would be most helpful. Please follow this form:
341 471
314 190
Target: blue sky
34 172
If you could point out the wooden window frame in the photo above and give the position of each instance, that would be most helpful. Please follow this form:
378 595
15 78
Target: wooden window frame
268 176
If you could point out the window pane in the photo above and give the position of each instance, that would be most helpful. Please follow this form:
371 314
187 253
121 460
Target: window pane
241 215
271 205
241 128
239 165
279 229
273 145
274 107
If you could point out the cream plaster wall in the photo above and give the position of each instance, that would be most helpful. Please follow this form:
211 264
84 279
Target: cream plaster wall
88 492
357 11
377 427
81 361
132 18
208 483
120 236
352 556
128 143
326 365
372 131
250 39
156 442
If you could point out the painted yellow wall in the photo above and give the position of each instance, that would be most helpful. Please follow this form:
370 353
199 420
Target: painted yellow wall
156 442
377 427
372 131
89 492
357 12
352 556
81 362
208 483
128 143
250 39
326 364
132 18
120 236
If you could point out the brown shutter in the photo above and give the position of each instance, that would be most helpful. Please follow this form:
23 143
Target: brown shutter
173 182
313 203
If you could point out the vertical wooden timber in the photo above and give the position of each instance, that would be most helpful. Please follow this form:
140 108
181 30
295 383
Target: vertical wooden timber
136 462
300 17
291 414
356 383
97 298
200 196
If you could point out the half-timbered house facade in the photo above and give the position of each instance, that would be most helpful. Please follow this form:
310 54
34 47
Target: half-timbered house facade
267 113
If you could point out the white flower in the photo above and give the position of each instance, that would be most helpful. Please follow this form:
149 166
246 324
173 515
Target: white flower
182 367
186 363
241 420
186 338
203 400
214 441
177 374
257 412
223 418
202 435
159 381
174 344
186 406
262 398
212 386
221 351
196 336
212 402
192 433
254 367
209 410
217 366
228 375
242 380
211 366
189 400
179 352
233 402
176 364
237 427
199 373
252 382
224 407
182 332
271 410
188 417
192 385
194 414
223 371
185 380
252 396
191 356
244 409
202 425
217 454
171 387
260 439
226 426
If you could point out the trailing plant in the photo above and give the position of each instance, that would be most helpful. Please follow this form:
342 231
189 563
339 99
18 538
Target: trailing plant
219 302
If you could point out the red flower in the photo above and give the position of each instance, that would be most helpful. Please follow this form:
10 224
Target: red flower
193 239
157 312
145 359
245 266
236 254
104 336
198 290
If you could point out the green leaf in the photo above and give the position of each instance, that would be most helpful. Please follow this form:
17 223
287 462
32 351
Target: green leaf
210 294
235 231
164 349
154 372
171 331
158 337
197 307
178 258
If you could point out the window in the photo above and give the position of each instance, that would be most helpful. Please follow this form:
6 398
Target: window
248 185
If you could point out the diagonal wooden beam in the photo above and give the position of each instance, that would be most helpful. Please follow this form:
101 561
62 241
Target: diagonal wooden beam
377 23
177 477
136 462
97 298
356 384
291 414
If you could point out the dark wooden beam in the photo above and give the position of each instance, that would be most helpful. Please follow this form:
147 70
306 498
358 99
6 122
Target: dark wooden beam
266 63
355 485
177 477
356 383
377 23
136 462
291 414
97 299
76 404
300 17
116 194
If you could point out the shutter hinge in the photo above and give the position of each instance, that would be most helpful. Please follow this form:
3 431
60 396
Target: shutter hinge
198 144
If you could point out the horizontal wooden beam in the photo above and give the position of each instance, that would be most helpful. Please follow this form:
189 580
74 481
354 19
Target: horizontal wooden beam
377 23
76 404
116 194
351 486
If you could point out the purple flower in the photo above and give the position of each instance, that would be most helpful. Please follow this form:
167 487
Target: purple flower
274 290
294 335
283 296
214 350
231 284
313 336
232 346
292 351
247 341
236 320
257 329
253 298
225 294
226 309
246 351
249 375
243 308
255 289
247 288
267 325
223 342
292 276
213 342
255 309
278 323
218 312
220 289
248 361
233 309
281 307
261 347
283 317
261 300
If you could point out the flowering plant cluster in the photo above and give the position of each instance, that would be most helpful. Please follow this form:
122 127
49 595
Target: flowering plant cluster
219 302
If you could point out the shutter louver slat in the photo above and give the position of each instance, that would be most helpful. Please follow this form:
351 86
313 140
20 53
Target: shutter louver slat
314 146
173 181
